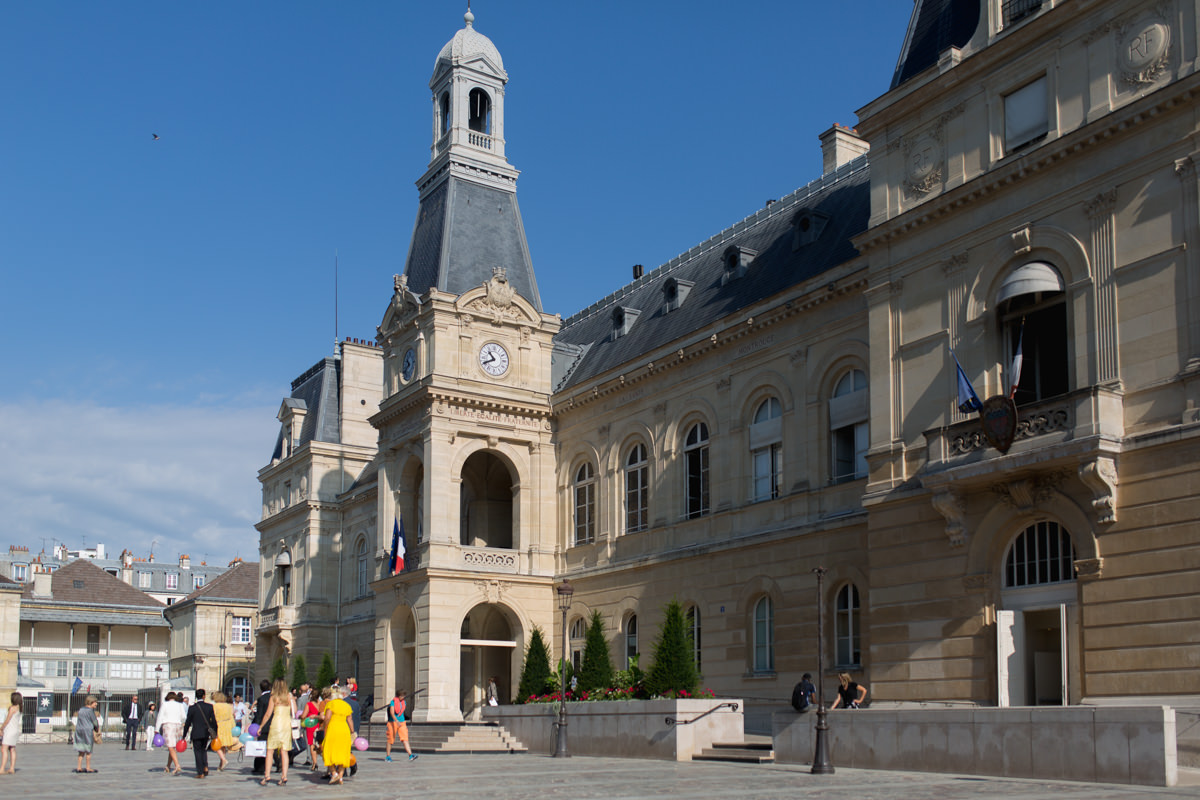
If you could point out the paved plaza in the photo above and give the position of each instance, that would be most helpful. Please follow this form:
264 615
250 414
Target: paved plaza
46 771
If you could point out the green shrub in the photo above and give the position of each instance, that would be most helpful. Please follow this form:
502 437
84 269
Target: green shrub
536 676
674 667
299 671
325 675
596 671
278 670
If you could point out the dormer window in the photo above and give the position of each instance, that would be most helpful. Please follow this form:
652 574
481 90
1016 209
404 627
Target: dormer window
736 261
623 319
675 292
807 227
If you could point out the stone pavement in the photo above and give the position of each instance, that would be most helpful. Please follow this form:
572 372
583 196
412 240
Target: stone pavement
46 771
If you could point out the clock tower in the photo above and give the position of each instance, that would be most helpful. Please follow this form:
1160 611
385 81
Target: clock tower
466 459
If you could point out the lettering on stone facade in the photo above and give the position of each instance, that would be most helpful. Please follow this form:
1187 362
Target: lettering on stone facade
753 347
624 399
1143 50
978 582
923 163
490 417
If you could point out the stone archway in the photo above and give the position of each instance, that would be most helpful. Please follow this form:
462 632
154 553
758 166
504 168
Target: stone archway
402 635
487 507
490 647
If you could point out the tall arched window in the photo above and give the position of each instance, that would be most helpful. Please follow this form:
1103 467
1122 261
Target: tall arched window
846 627
480 112
766 450
577 640
363 565
444 114
585 504
1033 318
848 431
695 455
637 490
1042 553
693 621
631 639
764 635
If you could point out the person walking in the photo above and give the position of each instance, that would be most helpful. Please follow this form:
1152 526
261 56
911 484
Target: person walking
493 691
148 722
849 693
281 708
224 739
87 734
311 710
170 724
260 711
239 712
10 731
338 737
131 713
397 728
202 722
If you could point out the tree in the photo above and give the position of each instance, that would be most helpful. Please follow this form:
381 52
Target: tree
325 675
278 670
536 677
299 670
674 668
596 671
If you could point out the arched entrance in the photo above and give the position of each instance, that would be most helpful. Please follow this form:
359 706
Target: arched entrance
403 629
489 643
486 502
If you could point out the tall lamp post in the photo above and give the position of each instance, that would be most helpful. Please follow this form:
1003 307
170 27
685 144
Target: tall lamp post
565 591
158 671
821 764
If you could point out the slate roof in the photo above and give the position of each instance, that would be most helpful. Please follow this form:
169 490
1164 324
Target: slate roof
585 347
5 583
463 230
318 389
238 583
935 26
83 582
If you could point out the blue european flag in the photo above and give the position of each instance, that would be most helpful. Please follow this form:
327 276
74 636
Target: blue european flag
968 401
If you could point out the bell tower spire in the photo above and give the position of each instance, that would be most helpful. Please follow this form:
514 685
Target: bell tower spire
468 222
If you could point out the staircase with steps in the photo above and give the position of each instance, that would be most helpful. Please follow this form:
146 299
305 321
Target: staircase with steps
754 750
450 737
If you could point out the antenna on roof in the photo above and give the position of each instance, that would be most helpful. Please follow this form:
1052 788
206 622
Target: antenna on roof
335 302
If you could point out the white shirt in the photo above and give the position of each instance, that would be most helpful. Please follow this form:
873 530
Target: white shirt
173 712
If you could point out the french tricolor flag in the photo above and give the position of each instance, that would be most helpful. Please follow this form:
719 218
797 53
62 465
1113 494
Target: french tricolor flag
398 547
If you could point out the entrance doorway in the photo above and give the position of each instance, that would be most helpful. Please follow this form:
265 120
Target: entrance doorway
1034 655
488 649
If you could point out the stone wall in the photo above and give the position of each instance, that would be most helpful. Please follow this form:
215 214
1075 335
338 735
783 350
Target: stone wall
1134 744
629 729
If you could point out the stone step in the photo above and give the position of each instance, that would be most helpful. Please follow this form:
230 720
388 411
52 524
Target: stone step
741 752
440 737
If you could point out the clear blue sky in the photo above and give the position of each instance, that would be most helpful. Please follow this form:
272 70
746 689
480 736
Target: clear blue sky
159 296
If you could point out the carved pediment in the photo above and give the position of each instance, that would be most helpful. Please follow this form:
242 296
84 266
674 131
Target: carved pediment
403 308
497 300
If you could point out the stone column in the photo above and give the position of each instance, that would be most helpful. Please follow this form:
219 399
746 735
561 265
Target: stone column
1103 252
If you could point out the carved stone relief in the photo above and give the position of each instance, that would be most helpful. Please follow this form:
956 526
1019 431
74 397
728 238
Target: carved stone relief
1143 50
1100 475
949 504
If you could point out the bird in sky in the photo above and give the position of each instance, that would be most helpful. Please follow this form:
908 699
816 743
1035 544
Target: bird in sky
155 135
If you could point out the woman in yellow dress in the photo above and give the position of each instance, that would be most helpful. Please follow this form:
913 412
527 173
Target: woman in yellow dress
338 738
280 710
225 740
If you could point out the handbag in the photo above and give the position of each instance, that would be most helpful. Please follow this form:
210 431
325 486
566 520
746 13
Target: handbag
256 748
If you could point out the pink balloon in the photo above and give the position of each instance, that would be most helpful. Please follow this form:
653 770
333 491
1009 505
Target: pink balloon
361 744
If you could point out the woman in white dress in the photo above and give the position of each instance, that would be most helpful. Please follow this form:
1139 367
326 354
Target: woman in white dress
10 731
170 724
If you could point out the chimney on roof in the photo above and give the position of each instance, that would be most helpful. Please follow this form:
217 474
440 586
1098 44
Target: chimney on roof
840 145
638 271
41 584
185 561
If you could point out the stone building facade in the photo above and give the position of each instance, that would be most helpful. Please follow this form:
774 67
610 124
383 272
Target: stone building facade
784 397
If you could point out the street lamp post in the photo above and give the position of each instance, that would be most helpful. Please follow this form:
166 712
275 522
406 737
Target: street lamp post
158 670
565 591
821 764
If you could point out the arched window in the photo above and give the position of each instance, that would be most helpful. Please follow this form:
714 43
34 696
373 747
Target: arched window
637 490
846 627
480 111
693 622
585 504
444 114
363 566
695 454
283 568
848 431
631 640
1042 553
766 450
578 637
764 635
1033 320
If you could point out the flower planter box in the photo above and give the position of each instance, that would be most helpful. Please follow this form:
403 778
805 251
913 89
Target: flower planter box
626 728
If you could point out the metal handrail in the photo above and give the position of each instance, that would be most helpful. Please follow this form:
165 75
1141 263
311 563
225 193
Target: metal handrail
730 706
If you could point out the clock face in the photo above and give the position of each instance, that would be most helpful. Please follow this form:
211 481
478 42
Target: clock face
493 358
409 366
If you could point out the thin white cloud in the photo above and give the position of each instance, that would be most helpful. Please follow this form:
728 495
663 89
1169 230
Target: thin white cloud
125 477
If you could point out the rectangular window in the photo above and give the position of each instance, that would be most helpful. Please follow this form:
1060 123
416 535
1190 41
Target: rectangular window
1026 116
585 513
20 572
767 468
697 482
143 580
172 580
850 452
93 639
1015 10
126 671
241 630
197 582
637 496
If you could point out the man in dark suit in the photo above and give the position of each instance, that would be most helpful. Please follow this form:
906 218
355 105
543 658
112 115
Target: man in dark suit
131 714
202 722
260 711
